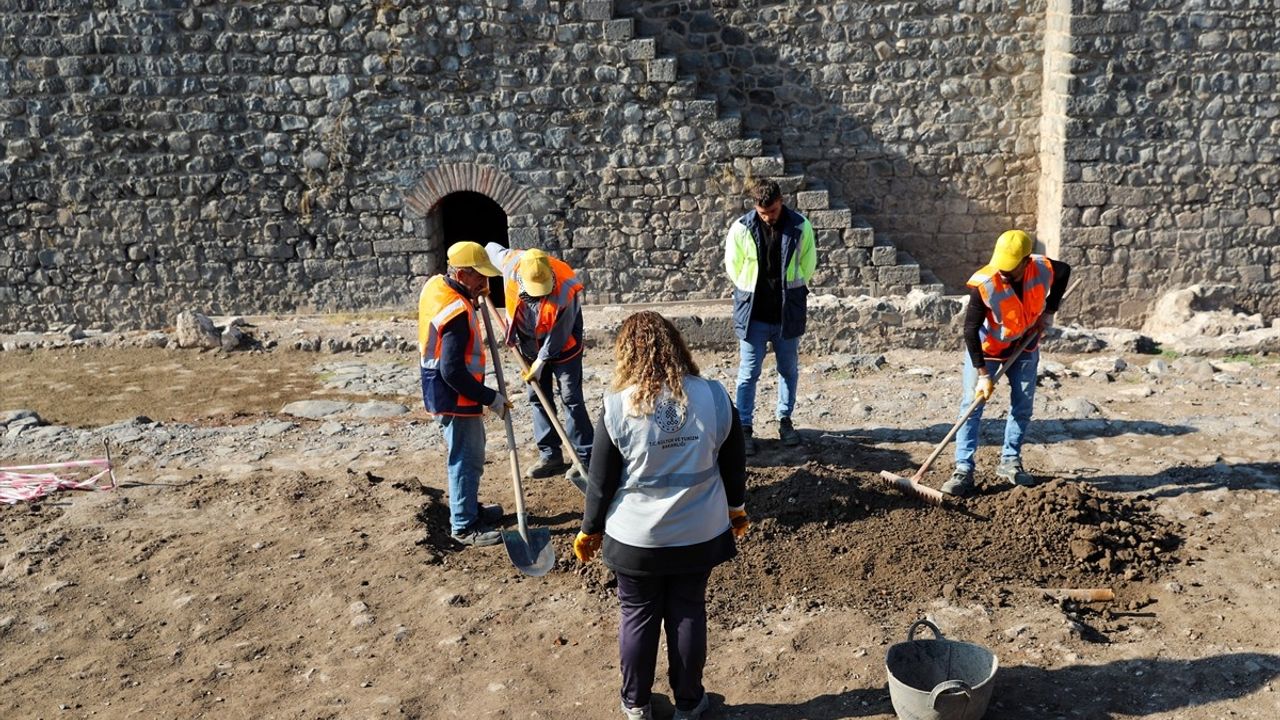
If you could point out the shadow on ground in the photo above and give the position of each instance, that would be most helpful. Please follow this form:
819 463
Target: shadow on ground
1125 688
1128 688
1041 431
1183 479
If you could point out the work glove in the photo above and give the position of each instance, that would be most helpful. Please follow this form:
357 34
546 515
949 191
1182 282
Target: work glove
585 546
1046 322
534 372
984 388
500 405
738 521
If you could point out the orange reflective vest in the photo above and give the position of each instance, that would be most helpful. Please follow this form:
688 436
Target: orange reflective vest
566 288
438 304
1009 316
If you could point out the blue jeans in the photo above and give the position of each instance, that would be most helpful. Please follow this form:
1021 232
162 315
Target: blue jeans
1022 393
751 354
567 377
464 438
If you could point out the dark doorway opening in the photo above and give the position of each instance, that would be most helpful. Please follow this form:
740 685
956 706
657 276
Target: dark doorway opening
474 216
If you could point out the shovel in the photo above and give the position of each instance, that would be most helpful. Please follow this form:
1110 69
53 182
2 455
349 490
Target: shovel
529 548
911 485
580 480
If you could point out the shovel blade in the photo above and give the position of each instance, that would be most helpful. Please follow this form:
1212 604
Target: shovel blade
535 557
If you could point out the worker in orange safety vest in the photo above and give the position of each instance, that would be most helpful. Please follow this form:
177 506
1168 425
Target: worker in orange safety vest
451 350
1016 293
544 308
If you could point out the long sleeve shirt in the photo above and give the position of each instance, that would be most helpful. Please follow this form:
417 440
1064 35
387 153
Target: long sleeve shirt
454 339
560 333
604 480
976 313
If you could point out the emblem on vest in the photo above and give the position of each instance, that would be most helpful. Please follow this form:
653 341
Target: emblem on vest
669 415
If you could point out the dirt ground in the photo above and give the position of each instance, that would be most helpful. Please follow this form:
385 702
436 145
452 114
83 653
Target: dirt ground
260 566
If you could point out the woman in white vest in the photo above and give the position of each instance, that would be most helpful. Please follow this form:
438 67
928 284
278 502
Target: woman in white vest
665 501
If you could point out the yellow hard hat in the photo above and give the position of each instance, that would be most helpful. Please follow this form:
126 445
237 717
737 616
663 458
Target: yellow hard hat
534 271
467 254
1011 247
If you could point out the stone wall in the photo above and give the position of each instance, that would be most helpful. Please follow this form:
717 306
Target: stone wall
255 157
284 155
921 117
1172 134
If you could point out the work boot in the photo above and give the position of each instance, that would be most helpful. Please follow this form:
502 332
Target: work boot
640 713
547 467
748 442
787 433
960 484
1010 469
703 705
490 514
478 535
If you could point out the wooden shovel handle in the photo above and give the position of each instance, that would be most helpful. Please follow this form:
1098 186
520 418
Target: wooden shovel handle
517 486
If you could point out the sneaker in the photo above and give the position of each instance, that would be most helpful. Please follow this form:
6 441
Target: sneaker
548 467
787 433
960 484
478 536
748 442
1011 469
703 705
491 514
640 713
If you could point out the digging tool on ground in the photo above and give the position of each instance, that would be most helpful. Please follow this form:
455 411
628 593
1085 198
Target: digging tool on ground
529 548
579 481
911 485
1087 595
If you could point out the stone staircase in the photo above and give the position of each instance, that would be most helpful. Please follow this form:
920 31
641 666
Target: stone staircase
855 259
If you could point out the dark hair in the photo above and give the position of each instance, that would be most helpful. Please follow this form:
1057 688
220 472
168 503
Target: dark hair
765 192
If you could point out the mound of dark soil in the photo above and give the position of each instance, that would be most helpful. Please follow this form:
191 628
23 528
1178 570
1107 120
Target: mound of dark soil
825 536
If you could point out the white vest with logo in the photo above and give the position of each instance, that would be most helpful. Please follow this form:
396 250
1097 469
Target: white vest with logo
671 494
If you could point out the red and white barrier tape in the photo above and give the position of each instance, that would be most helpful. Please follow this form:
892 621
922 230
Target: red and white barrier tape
20 484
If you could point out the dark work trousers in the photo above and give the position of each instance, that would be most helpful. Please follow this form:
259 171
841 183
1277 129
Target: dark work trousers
679 602
568 377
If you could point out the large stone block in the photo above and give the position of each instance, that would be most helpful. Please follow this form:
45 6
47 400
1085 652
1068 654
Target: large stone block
1084 194
837 219
812 200
882 255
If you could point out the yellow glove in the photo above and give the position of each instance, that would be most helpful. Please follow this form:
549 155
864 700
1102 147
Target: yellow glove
534 372
984 388
738 521
585 546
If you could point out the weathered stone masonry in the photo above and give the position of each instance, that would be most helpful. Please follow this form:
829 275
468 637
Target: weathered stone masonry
276 156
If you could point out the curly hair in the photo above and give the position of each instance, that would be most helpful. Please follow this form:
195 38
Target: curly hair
651 354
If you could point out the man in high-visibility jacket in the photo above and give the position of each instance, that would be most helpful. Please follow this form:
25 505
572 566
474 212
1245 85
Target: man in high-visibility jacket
451 350
770 256
1015 294
545 312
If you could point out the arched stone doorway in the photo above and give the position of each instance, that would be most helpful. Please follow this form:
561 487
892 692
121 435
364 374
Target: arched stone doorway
465 201
471 216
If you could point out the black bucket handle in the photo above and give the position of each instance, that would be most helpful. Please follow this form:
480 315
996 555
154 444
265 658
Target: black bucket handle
951 687
911 631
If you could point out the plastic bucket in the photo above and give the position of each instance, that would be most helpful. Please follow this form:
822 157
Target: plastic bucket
939 679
